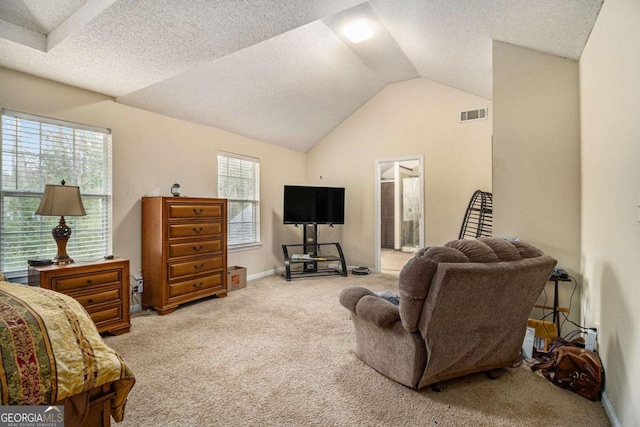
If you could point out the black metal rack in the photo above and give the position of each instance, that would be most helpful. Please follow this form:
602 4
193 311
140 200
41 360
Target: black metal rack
310 257
478 219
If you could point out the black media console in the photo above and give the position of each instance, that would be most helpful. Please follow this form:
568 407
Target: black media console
312 258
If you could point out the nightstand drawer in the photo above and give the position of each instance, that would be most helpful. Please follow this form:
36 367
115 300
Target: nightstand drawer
202 229
106 315
194 248
100 297
101 287
195 285
196 210
70 283
196 266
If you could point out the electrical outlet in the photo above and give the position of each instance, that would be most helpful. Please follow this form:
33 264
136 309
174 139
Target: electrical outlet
138 287
590 342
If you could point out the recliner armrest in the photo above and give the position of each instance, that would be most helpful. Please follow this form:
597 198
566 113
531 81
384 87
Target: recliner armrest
349 297
377 310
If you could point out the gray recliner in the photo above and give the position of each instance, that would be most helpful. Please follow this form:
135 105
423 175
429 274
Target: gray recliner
463 309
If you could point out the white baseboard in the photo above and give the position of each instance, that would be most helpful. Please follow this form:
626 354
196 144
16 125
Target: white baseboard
280 270
265 274
608 409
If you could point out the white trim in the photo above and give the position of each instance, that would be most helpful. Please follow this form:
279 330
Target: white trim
265 274
280 270
608 409
377 238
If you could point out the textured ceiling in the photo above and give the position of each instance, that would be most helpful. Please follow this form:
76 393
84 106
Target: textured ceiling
275 70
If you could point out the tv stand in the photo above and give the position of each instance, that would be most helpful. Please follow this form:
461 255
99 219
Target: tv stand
311 258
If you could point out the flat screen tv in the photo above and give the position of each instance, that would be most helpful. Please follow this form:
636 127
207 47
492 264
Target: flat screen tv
309 205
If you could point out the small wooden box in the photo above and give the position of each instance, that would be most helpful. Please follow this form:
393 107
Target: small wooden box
236 277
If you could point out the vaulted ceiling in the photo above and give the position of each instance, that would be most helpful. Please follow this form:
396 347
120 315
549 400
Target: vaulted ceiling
280 71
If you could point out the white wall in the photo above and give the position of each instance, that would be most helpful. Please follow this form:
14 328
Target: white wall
416 117
536 159
153 151
610 102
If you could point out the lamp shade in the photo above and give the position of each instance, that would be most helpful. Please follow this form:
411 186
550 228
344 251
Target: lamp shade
61 200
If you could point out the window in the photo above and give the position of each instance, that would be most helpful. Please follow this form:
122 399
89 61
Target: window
38 151
239 183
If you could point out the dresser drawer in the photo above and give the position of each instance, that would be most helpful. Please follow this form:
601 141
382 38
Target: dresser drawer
196 210
69 283
203 229
98 297
194 248
196 266
211 282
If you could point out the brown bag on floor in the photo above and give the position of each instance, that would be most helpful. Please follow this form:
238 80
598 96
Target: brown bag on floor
575 369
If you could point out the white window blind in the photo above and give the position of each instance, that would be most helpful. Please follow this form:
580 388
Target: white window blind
239 183
38 151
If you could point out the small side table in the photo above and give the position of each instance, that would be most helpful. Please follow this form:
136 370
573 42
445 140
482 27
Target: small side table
556 308
102 287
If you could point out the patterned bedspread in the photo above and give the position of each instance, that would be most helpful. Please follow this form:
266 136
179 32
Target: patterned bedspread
51 350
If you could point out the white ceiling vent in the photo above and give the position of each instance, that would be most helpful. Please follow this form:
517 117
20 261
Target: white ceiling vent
471 115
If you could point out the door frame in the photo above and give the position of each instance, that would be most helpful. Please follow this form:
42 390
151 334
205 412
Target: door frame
377 238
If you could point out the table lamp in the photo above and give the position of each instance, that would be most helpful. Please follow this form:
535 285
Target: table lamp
62 200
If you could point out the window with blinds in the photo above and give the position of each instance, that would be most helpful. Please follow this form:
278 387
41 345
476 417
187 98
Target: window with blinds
38 151
239 183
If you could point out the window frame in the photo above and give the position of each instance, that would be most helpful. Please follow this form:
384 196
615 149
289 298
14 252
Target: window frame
98 202
224 193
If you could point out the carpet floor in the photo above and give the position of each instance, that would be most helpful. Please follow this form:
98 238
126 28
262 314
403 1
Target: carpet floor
282 353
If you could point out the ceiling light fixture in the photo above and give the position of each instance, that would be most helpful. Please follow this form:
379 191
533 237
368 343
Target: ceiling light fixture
358 31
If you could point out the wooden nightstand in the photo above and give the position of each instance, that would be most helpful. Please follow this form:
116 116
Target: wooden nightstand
102 287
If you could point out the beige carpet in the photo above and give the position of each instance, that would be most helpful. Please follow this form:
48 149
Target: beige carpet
391 261
282 353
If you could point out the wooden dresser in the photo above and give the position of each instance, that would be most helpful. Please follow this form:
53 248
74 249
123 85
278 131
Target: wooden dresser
184 250
102 287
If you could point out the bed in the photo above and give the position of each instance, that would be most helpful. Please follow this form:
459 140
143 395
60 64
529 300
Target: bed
52 354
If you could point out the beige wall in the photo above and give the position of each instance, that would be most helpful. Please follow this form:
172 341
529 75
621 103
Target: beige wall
610 101
536 159
416 117
153 151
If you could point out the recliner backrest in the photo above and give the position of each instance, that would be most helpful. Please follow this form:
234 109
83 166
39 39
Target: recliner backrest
417 275
470 301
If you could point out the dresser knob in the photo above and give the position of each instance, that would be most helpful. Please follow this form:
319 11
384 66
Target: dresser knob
198 249
198 230
197 212
89 282
90 300
197 285
198 267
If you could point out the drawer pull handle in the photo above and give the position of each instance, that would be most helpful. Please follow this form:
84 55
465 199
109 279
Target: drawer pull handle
89 282
198 267
198 249
197 212
197 285
198 230
90 300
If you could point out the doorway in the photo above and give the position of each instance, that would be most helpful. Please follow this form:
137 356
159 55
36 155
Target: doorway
399 206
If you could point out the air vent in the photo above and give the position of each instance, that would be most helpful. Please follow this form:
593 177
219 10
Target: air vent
471 115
